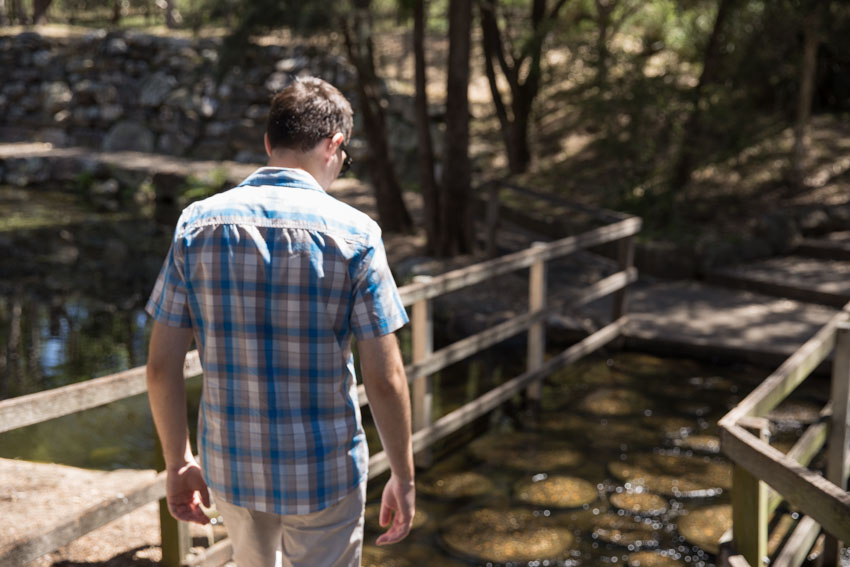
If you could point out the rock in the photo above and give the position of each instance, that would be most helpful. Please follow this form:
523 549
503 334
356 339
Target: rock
111 112
57 95
128 136
116 46
779 231
106 94
41 58
55 136
291 64
26 171
85 92
156 88
813 220
107 188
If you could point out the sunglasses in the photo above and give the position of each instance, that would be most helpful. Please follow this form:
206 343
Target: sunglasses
347 161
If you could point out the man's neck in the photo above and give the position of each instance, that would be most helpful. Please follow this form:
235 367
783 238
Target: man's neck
293 160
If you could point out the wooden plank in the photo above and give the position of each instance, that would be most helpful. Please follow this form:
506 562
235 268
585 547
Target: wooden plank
787 377
422 327
749 506
33 546
814 495
536 343
836 457
606 286
798 545
453 421
464 348
803 451
625 259
477 273
49 404
214 556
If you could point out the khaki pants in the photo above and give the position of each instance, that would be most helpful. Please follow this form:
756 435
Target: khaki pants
330 538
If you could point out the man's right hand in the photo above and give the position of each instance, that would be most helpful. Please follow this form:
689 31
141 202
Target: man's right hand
185 490
398 507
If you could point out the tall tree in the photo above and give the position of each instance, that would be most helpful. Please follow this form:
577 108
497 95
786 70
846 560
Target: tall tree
392 211
456 229
610 17
521 70
811 23
710 73
427 181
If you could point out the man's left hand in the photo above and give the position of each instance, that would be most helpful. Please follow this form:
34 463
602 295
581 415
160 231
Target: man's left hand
185 491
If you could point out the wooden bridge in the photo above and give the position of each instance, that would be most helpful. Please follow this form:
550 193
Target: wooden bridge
42 406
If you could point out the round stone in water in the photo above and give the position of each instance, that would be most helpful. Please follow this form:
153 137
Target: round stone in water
639 503
556 492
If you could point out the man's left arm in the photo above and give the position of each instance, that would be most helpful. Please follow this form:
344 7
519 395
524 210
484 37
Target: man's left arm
185 485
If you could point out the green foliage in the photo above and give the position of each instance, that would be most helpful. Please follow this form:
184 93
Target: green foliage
197 188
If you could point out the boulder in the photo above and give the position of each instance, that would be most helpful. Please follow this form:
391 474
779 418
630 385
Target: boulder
128 136
156 88
57 96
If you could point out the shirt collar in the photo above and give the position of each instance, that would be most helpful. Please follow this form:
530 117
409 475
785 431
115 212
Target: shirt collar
282 177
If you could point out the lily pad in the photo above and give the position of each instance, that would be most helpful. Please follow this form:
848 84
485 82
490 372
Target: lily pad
464 484
640 503
674 475
556 492
704 527
526 452
505 535
702 443
614 402
652 559
625 531
382 557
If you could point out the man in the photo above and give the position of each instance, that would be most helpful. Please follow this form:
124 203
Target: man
271 279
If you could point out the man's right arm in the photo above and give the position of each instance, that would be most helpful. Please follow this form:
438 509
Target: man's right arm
389 400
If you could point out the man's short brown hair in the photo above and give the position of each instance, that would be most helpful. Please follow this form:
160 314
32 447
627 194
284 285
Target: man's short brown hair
307 111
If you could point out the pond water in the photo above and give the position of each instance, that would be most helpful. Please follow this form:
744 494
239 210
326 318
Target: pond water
620 466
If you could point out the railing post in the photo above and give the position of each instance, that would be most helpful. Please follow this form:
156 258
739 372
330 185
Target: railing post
749 504
625 260
836 456
537 331
422 327
174 535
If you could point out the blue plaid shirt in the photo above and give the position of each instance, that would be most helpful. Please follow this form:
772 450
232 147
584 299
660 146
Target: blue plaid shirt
274 276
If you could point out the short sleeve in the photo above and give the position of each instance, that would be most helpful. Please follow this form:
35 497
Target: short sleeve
168 302
377 308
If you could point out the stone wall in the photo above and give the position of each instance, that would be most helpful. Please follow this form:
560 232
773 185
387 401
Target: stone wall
131 91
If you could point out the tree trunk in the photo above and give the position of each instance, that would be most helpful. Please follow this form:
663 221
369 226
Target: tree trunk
603 23
117 6
455 219
807 88
693 127
392 212
491 44
173 19
4 17
427 182
39 10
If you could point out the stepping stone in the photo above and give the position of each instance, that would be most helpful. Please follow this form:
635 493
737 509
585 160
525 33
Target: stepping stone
464 484
639 503
614 402
652 559
679 476
525 452
625 531
556 492
835 246
704 527
503 536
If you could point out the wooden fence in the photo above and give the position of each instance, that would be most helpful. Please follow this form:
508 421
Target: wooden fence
758 466
35 408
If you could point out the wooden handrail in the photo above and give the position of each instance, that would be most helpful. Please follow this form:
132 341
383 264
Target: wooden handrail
477 273
65 400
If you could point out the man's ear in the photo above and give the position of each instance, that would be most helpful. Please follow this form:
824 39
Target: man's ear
267 144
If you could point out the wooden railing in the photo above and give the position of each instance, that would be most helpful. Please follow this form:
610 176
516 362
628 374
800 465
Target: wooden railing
823 500
35 408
